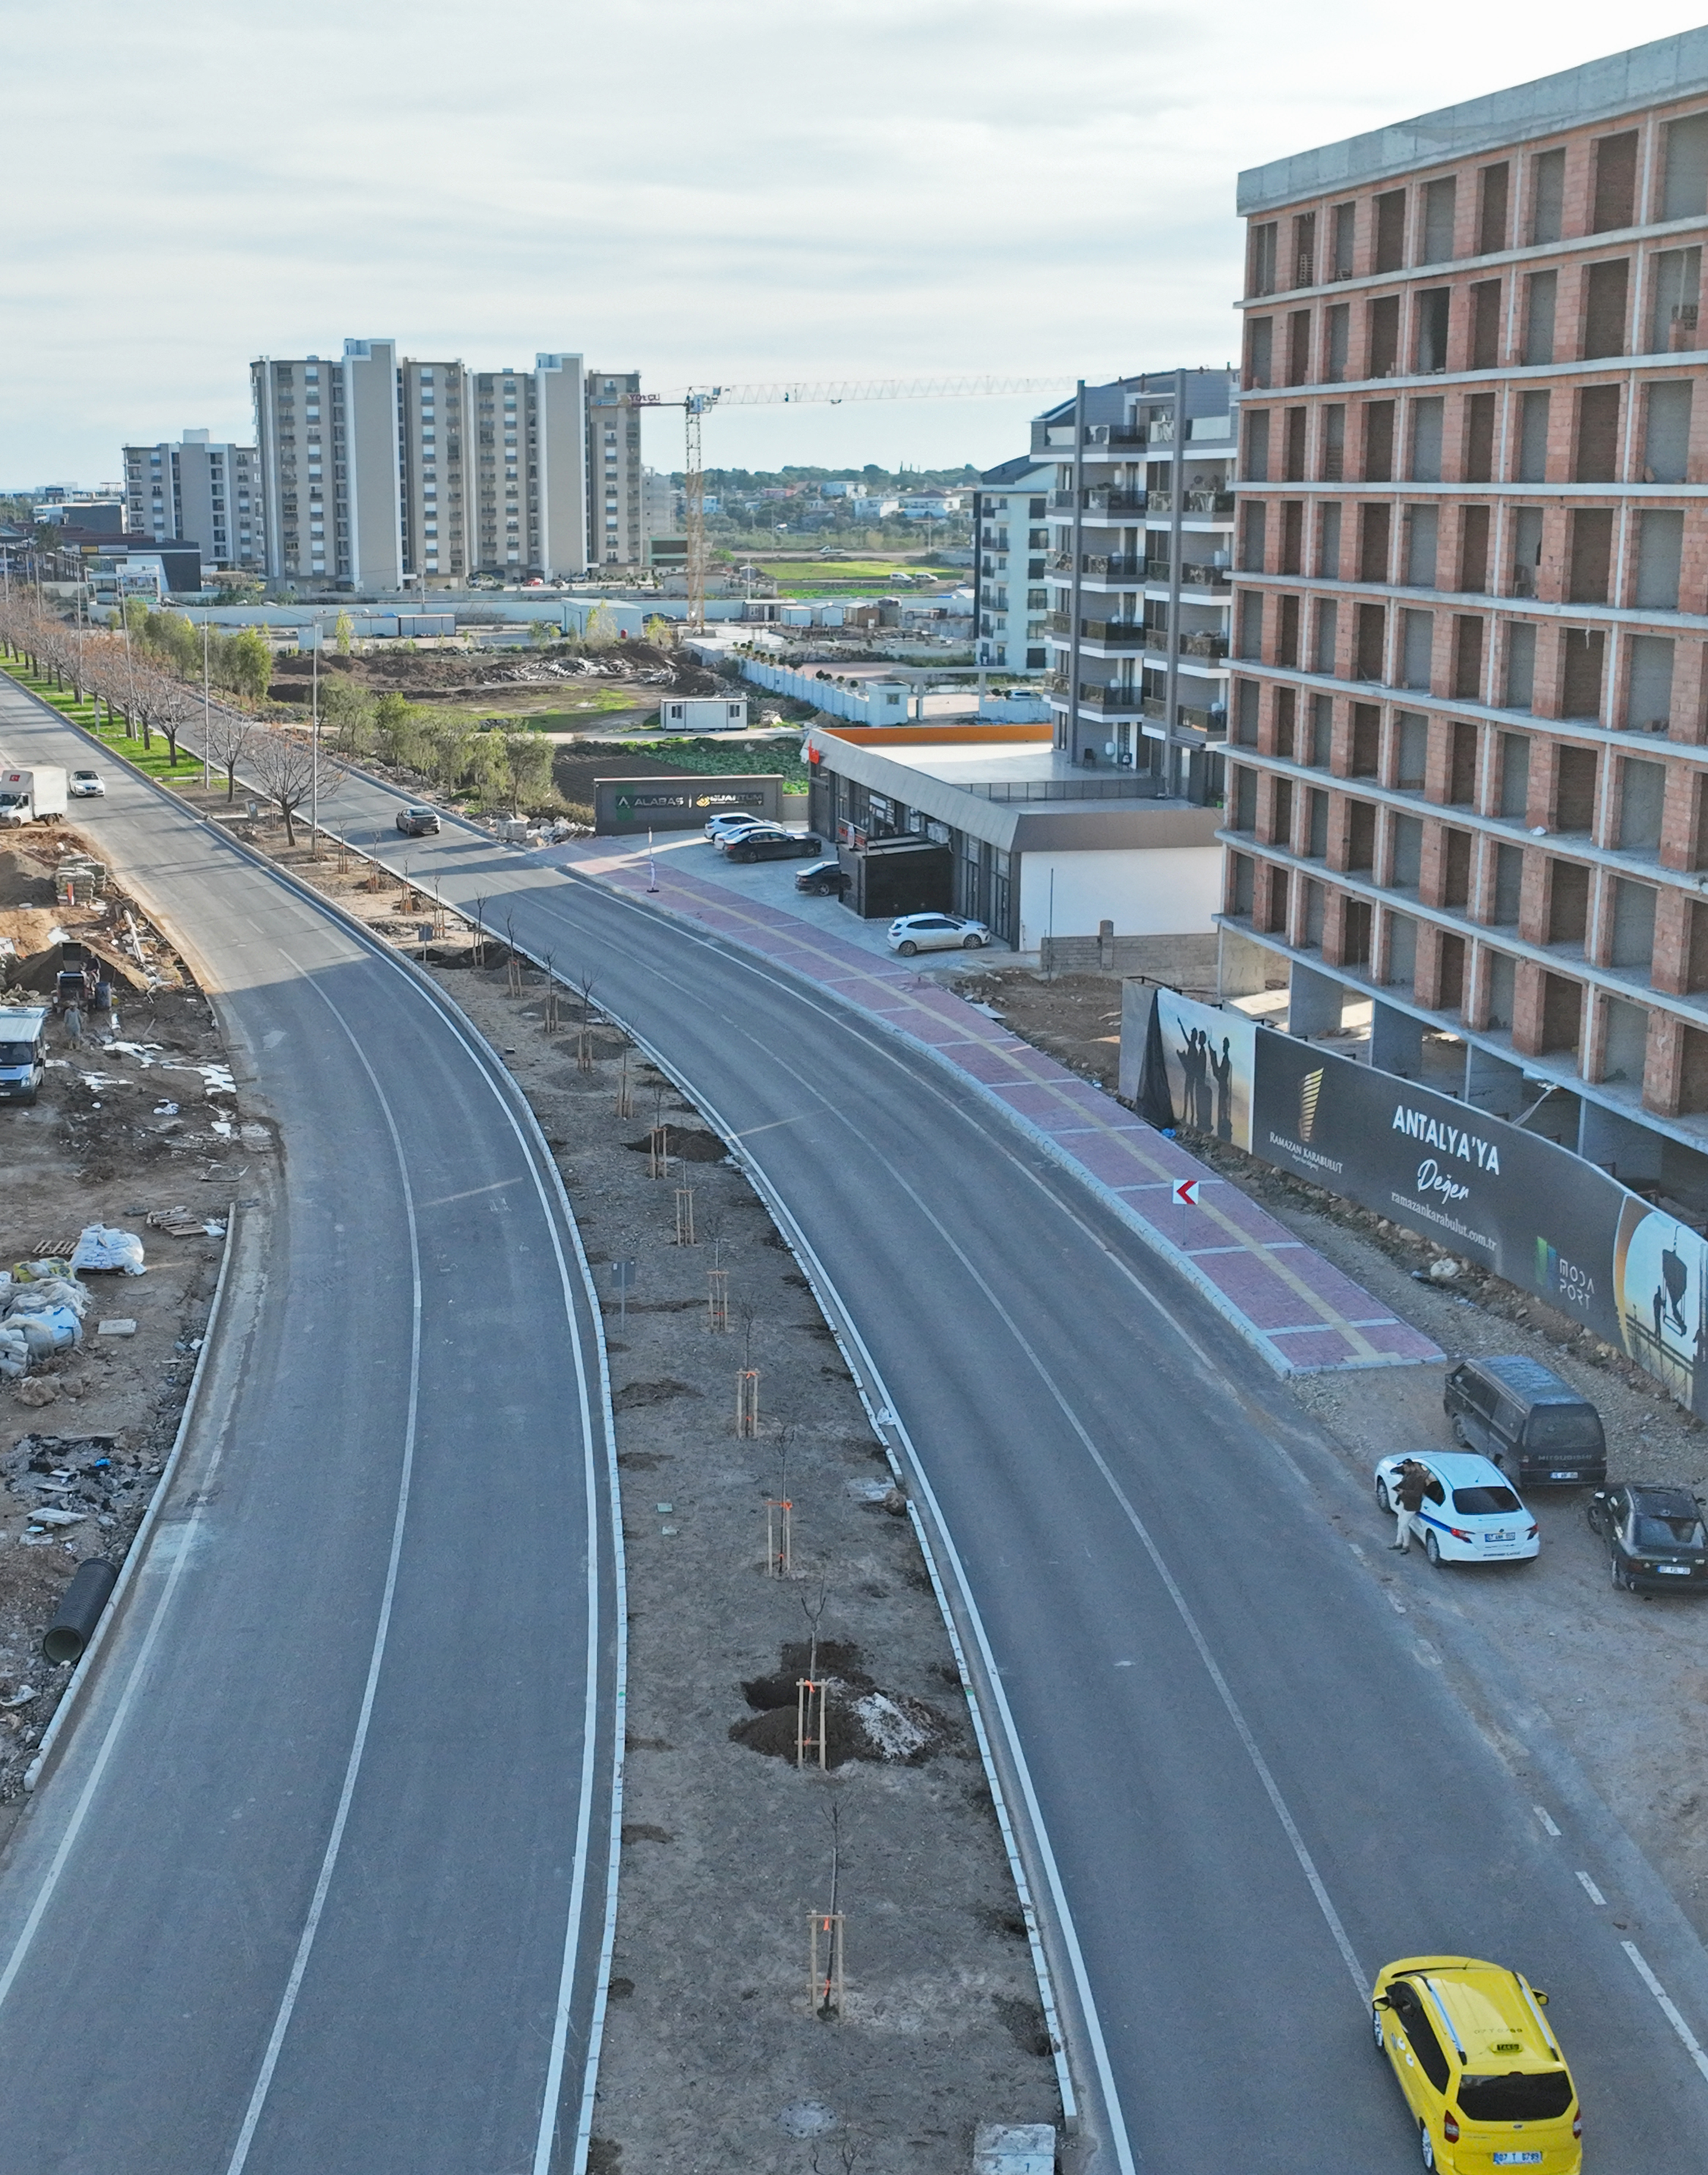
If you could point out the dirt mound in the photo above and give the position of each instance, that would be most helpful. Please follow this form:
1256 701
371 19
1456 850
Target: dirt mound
26 879
860 1721
686 1143
634 1395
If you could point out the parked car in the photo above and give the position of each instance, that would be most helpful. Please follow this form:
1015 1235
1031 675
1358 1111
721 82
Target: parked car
1523 1416
1470 1513
724 827
824 879
1657 1543
1481 2069
772 845
935 932
87 785
418 822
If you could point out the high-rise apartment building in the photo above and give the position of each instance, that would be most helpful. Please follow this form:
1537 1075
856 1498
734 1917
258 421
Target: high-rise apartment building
1142 517
198 492
384 472
1011 538
1468 776
615 525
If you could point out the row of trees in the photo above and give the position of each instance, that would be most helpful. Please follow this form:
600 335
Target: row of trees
239 664
455 754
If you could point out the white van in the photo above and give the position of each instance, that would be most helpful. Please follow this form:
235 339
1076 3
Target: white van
23 1053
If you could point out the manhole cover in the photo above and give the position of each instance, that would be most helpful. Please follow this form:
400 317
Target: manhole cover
806 2118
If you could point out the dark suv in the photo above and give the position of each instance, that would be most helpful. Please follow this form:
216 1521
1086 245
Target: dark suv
824 879
1535 1426
1655 1537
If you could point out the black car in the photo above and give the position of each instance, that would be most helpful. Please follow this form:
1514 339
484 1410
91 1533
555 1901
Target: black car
768 845
824 879
418 822
1655 1537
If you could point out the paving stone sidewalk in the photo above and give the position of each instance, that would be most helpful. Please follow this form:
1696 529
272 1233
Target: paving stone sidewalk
1292 1306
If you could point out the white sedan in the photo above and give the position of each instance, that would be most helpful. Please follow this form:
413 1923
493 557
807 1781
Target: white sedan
935 932
719 828
86 785
1470 1513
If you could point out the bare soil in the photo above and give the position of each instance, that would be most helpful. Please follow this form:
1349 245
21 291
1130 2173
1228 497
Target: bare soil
86 1432
514 678
715 2055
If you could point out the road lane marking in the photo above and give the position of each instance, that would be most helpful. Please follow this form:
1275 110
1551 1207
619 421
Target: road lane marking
1545 1821
329 1863
1669 2008
473 1193
1590 1890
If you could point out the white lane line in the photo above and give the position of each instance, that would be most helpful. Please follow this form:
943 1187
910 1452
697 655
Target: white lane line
1176 1594
473 1193
1669 2008
305 1946
1542 1814
1590 1890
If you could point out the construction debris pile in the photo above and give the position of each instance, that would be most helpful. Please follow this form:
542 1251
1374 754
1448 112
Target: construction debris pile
42 1303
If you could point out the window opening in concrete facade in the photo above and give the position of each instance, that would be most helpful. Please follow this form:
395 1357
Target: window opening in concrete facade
1468 658
1418 636
1430 315
1439 201
1260 353
1649 684
1533 437
1473 549
1379 442
1421 528
1327 629
1598 434
1385 336
1674 310
1390 231
1254 469
1492 193
1479 438
1616 182
1402 952
1374 522
1685 192
1485 324
1592 555
1340 319
1642 801
1346 222
1320 753
1660 559
1547 196
1412 737
1509 885
1583 650
1428 422
1633 924
1604 308
1328 528
1541 291
1521 664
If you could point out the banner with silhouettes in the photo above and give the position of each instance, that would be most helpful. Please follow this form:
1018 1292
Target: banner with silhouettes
1499 1197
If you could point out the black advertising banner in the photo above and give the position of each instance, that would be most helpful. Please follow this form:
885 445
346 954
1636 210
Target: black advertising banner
1504 1199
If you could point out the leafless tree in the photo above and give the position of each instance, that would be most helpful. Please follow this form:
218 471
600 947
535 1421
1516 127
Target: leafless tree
284 769
229 735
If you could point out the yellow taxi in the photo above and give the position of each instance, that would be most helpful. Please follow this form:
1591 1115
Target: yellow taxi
1481 2071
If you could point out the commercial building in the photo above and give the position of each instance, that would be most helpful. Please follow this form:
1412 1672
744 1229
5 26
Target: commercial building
1470 744
198 492
1011 537
1038 851
379 472
1140 568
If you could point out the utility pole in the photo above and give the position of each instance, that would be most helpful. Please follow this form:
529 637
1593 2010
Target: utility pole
206 705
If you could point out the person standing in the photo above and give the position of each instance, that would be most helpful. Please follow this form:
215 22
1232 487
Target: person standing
1413 1486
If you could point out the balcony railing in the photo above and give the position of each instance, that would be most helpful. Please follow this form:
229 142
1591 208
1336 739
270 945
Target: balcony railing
1524 581
1115 633
1154 707
1210 719
1103 500
1159 502
1135 785
1117 434
1203 645
1112 700
1111 566
1209 502
1198 576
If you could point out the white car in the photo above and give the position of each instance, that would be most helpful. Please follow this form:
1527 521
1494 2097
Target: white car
1470 1513
718 828
935 932
86 785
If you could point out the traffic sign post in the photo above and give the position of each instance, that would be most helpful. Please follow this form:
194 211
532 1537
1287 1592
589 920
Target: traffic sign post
1186 1192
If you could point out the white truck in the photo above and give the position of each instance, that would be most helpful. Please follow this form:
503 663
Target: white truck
32 796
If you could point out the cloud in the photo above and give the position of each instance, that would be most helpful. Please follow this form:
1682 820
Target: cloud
705 190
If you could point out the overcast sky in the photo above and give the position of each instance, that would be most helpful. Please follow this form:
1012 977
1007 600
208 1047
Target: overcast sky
703 190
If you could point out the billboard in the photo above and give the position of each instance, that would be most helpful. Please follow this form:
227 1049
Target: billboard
1503 1199
625 806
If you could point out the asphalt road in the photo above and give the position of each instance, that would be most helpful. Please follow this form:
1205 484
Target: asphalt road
1252 1780
320 1880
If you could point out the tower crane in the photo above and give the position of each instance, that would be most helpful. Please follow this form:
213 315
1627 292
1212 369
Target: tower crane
695 401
